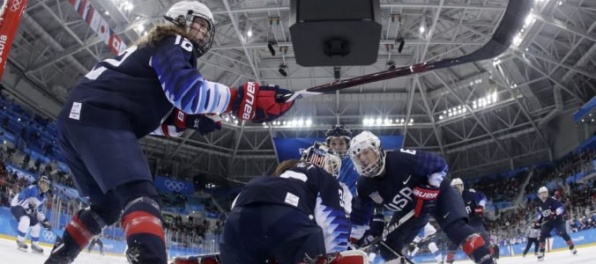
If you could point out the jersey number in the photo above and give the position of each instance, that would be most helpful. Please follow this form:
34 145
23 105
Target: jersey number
97 71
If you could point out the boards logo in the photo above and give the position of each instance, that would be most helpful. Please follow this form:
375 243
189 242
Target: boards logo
249 101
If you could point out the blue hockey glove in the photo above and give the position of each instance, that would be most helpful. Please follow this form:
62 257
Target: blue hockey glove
426 199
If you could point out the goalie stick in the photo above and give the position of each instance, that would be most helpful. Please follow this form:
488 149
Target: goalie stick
512 22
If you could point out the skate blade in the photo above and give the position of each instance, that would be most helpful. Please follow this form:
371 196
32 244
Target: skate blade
22 249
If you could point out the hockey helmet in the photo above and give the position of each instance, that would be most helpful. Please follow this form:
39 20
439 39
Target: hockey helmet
183 15
367 154
341 133
458 184
321 156
44 183
543 193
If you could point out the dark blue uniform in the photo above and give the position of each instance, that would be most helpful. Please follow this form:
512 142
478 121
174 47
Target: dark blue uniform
404 171
550 216
119 101
475 203
301 212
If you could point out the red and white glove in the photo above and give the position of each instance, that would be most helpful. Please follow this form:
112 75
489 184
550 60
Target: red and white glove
426 199
479 210
258 103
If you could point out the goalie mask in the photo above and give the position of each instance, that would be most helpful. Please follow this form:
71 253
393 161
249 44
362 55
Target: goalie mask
338 139
196 20
322 157
367 154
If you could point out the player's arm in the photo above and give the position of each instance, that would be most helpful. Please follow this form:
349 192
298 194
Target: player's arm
558 206
481 200
183 85
189 92
432 166
330 211
177 122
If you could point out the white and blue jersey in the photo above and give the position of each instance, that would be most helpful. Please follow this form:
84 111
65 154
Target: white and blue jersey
136 90
348 174
32 201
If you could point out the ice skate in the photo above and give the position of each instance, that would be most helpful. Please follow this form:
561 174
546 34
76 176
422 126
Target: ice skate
22 246
36 249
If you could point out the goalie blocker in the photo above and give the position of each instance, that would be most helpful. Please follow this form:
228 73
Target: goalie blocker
345 257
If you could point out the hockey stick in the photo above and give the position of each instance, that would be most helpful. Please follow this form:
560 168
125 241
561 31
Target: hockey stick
389 229
395 253
512 22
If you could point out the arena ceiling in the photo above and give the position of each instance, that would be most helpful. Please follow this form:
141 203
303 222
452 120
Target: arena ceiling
484 117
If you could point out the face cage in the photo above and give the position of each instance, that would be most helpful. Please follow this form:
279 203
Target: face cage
543 195
332 166
201 48
47 186
373 170
347 139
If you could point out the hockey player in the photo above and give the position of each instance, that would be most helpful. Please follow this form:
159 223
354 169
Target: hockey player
475 203
426 236
299 213
551 217
93 242
409 183
338 139
26 208
533 233
126 98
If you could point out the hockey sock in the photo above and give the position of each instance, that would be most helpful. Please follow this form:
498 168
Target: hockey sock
432 246
475 247
84 225
144 232
35 234
23 227
570 244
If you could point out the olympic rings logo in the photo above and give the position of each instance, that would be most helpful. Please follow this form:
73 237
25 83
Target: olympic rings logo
174 186
48 235
16 4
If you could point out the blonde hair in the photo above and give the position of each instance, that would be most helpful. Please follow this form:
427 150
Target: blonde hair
284 166
160 32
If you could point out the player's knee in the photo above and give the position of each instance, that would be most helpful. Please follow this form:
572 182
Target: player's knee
458 231
472 243
24 220
108 214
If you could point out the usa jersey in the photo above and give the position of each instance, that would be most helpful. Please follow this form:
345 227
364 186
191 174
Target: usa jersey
311 190
549 208
32 200
472 200
348 174
137 89
404 170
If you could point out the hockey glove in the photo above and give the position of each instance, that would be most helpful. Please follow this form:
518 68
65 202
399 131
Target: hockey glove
377 225
46 224
479 210
426 199
259 103
179 121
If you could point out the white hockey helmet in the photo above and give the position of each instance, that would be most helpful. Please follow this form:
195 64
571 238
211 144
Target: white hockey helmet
44 184
361 148
542 193
458 184
183 14
321 156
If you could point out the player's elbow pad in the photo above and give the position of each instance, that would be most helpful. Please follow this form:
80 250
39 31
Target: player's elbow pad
436 178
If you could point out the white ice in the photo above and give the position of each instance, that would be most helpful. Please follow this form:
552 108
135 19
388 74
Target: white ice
10 254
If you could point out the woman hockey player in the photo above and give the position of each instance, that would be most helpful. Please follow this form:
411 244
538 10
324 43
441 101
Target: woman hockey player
412 184
550 216
124 99
26 208
338 140
295 216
